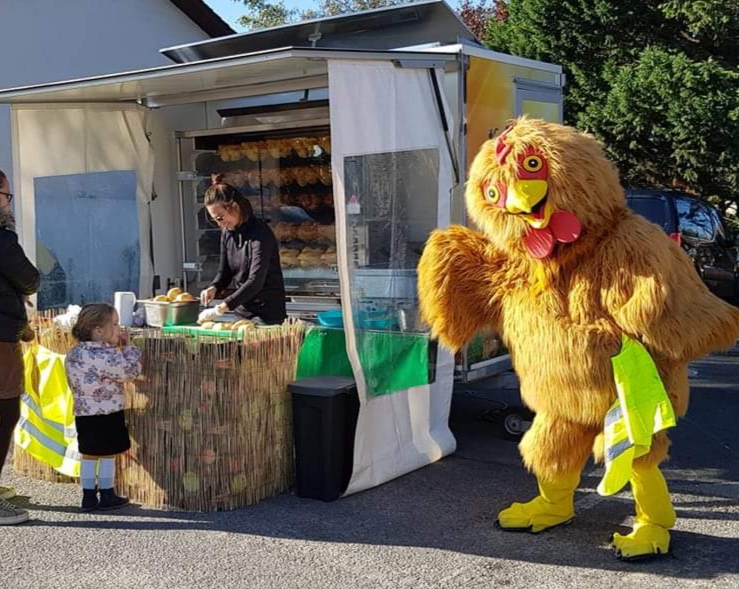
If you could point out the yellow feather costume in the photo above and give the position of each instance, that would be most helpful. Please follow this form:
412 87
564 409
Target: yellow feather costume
562 269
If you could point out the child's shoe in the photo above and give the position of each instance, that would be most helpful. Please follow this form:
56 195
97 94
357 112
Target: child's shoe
109 500
89 500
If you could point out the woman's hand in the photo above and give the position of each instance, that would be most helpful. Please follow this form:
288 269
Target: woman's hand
207 295
211 314
207 315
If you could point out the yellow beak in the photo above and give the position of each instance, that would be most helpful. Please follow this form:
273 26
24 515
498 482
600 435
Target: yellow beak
524 195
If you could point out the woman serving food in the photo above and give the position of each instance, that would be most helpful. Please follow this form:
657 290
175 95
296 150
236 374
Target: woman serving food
250 259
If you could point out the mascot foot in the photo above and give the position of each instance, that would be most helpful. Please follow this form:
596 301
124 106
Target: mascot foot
646 541
535 516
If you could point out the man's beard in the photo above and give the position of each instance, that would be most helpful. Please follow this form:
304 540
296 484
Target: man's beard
7 219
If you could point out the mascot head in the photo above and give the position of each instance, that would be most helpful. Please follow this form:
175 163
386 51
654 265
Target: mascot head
538 187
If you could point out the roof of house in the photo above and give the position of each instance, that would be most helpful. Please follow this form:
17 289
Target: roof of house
203 16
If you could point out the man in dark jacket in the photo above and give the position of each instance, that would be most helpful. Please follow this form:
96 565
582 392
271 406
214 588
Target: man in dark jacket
18 279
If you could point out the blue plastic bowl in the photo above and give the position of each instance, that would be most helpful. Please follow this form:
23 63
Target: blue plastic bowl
331 318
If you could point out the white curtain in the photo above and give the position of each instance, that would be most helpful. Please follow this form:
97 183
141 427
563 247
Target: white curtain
66 140
379 110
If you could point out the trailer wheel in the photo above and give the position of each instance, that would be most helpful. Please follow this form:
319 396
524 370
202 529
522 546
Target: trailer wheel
516 421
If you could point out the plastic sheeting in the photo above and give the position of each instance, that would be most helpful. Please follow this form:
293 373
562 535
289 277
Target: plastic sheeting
393 179
85 172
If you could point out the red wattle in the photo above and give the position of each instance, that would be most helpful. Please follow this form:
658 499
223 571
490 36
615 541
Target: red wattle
539 243
565 226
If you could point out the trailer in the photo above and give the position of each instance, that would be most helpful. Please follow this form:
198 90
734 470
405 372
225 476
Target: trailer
350 136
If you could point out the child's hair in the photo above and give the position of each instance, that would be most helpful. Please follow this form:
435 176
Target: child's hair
92 316
221 192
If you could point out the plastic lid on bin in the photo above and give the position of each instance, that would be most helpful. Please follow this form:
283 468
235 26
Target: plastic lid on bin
322 386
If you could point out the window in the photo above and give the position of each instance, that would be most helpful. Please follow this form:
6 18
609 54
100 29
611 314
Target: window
87 237
541 100
392 201
694 219
721 232
652 209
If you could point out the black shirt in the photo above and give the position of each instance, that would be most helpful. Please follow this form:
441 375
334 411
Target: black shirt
18 277
250 257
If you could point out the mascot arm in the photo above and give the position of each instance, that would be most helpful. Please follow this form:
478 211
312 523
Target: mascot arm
656 296
460 283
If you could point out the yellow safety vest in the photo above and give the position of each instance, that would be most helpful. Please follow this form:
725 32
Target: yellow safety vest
641 410
46 429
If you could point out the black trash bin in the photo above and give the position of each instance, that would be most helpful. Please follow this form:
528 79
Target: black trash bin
325 411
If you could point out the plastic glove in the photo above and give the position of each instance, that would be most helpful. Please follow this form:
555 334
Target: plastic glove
209 315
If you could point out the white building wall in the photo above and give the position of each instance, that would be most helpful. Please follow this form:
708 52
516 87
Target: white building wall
53 40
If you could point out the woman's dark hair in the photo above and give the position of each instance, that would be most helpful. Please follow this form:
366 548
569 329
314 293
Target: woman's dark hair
219 192
92 316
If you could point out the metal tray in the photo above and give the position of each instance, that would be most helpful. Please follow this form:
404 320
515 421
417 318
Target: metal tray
168 314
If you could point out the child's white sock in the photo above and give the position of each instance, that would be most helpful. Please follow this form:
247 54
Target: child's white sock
87 473
106 474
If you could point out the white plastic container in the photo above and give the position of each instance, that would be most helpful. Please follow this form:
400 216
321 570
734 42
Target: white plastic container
124 302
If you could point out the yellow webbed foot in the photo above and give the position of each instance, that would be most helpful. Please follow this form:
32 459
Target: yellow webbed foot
645 541
535 516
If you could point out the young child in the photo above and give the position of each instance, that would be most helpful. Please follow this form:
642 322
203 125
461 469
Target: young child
96 369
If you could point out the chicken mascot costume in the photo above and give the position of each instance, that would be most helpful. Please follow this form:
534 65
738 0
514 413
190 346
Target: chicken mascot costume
601 311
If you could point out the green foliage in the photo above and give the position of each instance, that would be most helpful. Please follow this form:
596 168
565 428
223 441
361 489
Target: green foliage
657 81
668 119
262 14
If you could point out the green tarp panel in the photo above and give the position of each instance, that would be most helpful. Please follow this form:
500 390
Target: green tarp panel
324 354
391 361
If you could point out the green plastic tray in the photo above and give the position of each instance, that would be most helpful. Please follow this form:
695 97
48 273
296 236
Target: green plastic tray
197 330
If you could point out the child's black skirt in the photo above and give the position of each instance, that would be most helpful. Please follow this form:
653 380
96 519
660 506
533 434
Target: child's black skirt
101 435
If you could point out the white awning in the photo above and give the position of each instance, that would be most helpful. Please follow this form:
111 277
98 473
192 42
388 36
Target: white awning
242 74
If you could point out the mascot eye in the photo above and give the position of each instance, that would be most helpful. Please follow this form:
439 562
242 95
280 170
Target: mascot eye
533 164
492 194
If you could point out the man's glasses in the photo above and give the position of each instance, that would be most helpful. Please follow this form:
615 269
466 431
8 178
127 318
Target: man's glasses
9 195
